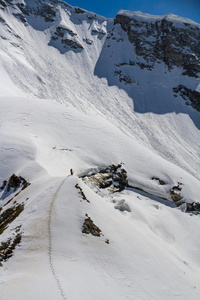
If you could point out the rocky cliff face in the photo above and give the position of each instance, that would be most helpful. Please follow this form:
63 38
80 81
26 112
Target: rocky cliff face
164 40
161 40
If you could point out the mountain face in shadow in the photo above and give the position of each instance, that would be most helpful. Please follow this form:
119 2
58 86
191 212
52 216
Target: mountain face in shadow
155 60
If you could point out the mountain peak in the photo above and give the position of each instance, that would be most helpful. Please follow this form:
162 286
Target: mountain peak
138 15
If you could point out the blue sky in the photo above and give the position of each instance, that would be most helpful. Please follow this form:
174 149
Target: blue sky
109 8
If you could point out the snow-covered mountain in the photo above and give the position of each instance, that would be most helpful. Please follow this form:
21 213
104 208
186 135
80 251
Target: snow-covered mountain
117 100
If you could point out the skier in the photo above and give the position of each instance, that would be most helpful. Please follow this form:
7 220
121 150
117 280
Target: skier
71 172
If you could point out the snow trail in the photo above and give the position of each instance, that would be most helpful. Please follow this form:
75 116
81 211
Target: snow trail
50 247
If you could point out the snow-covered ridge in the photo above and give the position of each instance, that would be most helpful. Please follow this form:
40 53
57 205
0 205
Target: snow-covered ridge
140 16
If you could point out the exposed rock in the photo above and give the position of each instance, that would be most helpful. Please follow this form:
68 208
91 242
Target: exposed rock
3 3
7 248
195 206
21 17
174 193
102 180
191 97
98 31
45 10
9 215
141 65
72 43
88 41
9 29
105 184
188 207
61 31
67 38
126 79
145 66
2 20
161 182
114 177
81 193
161 40
91 18
79 10
3 185
90 227
15 182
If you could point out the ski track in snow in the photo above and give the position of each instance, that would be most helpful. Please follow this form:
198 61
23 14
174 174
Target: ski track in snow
50 241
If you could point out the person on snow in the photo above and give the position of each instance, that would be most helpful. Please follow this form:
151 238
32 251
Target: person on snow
71 172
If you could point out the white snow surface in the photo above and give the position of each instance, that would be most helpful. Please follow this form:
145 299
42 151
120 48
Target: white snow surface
56 114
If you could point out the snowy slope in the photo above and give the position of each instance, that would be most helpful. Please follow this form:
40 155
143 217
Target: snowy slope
67 75
143 260
62 106
153 249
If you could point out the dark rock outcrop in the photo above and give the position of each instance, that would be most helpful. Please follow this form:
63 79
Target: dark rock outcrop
72 43
195 206
88 41
7 248
90 227
44 9
16 182
81 193
9 215
13 184
113 177
3 3
160 181
67 38
174 193
162 40
190 96
78 10
61 31
118 176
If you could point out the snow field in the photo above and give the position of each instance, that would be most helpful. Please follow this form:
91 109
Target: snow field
83 142
80 78
149 252
153 249
66 109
